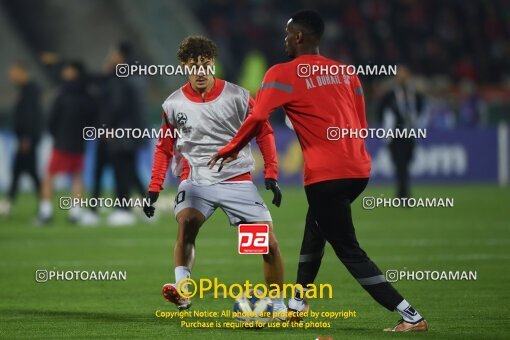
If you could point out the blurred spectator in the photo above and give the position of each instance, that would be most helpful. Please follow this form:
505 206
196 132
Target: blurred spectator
438 111
454 38
54 64
401 108
472 108
123 108
72 110
27 115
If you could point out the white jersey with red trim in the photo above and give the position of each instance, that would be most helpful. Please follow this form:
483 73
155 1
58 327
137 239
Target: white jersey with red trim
203 128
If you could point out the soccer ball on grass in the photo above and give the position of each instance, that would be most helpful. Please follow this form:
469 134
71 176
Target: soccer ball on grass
253 311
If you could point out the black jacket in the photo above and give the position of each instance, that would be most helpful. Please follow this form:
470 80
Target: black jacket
28 113
390 102
72 110
122 107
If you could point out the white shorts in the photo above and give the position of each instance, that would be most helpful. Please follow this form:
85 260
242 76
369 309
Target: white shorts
240 201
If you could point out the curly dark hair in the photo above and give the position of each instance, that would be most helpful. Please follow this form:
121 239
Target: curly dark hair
195 46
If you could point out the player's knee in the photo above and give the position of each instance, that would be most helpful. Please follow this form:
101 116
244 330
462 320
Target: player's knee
190 222
274 247
188 228
189 219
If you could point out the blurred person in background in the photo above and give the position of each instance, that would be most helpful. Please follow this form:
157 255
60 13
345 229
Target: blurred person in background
27 116
123 108
96 84
99 88
401 108
101 162
72 110
472 108
438 112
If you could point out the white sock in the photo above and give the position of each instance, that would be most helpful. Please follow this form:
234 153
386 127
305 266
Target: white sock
74 213
181 272
45 209
297 301
408 313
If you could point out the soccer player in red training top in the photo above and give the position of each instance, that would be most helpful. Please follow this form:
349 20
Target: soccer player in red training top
335 171
207 112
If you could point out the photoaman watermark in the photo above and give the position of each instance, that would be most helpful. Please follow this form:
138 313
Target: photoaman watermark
189 288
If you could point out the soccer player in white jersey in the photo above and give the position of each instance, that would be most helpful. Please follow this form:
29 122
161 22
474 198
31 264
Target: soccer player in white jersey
207 112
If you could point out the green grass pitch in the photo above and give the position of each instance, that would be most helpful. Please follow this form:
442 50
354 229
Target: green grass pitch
474 235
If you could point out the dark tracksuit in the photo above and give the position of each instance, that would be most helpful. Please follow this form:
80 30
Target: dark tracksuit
27 127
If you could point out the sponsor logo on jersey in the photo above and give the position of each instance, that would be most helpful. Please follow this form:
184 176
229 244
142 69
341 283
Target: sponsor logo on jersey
182 119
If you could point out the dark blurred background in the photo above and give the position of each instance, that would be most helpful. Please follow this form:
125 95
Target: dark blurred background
450 42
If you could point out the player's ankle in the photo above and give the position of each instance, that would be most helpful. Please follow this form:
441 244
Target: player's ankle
45 209
408 313
181 272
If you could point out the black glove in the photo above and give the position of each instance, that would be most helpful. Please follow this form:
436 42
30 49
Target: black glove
272 184
149 209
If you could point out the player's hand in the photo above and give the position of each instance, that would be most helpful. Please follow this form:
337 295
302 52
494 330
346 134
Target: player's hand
272 184
149 209
224 160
